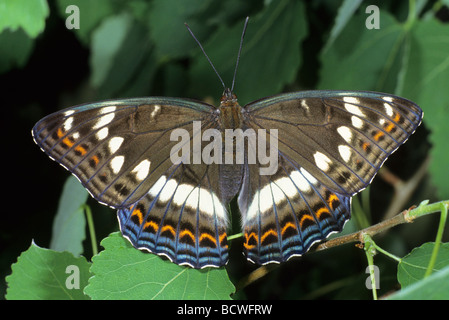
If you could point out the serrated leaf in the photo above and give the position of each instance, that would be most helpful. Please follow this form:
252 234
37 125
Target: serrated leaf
434 287
28 15
123 272
413 266
69 226
270 56
43 274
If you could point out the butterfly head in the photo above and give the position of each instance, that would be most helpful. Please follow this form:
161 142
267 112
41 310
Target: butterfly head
228 99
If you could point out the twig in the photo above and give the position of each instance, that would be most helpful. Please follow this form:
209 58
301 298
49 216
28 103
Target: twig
403 190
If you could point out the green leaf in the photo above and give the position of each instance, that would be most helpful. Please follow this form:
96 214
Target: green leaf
106 42
43 274
16 49
270 56
434 287
122 272
28 15
425 82
413 266
166 22
122 62
363 59
69 226
345 12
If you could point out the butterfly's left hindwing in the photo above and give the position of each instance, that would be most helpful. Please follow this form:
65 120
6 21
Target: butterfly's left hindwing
181 217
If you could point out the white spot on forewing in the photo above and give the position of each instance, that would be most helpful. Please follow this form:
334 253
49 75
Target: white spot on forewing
345 152
389 99
142 169
114 144
117 163
357 122
388 110
102 133
107 118
155 111
345 133
304 104
108 109
350 105
322 161
68 124
69 112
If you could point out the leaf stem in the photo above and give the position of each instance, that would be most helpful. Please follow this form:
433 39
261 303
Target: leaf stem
433 257
90 223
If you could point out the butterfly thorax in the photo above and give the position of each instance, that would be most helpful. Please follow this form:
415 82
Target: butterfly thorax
230 111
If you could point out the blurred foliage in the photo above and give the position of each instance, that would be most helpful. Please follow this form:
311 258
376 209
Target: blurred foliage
142 48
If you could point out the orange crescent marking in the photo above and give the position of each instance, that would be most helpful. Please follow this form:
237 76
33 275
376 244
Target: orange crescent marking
321 211
332 197
267 233
306 217
247 238
287 225
151 224
138 213
208 236
170 229
188 233
222 236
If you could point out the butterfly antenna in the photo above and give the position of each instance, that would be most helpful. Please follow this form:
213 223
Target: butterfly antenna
240 51
204 52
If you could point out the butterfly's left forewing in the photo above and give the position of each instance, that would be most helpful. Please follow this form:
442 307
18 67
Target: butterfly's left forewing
117 149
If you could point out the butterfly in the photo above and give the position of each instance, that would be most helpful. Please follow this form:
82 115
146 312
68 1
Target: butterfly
329 146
